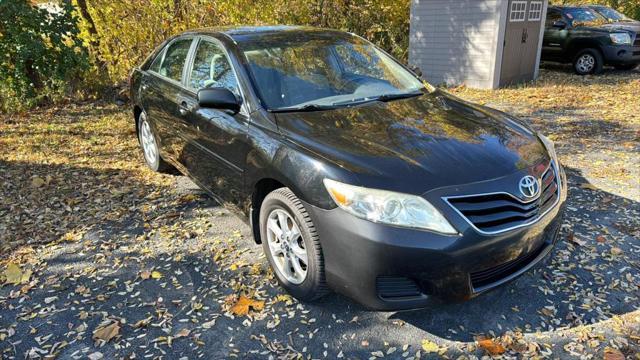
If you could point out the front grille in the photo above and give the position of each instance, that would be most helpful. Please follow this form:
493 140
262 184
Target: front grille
484 278
394 287
636 53
637 42
494 213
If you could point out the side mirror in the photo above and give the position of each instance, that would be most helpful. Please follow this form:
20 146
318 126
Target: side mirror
560 24
416 70
218 98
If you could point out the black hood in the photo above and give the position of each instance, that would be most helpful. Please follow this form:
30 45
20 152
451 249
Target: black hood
435 139
633 27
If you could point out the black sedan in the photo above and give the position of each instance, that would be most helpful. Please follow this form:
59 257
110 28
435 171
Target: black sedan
354 174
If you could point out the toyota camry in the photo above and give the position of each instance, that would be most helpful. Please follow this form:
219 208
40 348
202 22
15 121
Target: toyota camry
354 174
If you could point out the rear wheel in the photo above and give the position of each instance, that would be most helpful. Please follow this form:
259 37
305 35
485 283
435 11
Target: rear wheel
626 66
149 146
292 246
588 61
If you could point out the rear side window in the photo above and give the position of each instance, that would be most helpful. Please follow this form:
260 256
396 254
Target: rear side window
174 59
155 65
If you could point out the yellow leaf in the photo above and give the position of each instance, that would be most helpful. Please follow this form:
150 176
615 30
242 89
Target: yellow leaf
156 275
241 307
430 346
492 347
588 186
37 182
107 333
13 275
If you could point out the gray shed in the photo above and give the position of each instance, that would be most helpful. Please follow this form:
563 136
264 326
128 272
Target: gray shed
479 43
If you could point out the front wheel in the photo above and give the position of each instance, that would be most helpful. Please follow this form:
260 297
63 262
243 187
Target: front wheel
292 245
588 61
626 67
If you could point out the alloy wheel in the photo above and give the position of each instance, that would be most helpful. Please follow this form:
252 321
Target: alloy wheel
148 141
586 63
287 246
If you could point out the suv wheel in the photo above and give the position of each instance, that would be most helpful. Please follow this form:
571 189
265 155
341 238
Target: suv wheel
588 61
292 246
149 146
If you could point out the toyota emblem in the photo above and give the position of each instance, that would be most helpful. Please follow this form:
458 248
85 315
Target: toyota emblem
529 186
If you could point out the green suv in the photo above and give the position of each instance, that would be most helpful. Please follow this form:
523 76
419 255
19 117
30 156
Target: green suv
588 40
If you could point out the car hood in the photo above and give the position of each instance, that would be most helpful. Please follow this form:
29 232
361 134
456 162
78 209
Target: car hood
417 144
617 26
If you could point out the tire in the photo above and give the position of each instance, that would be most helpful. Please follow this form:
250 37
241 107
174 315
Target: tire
147 140
626 67
588 61
282 252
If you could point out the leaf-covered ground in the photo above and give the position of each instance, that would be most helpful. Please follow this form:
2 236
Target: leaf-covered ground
102 258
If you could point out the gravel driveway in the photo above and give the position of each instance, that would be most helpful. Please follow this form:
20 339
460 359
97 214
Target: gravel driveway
138 265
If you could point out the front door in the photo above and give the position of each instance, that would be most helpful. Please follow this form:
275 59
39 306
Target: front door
216 156
522 35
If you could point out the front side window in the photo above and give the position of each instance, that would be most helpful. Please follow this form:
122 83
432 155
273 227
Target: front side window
211 68
552 17
174 59
294 70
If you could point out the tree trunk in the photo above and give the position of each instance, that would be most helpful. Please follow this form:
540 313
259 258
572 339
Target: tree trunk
94 43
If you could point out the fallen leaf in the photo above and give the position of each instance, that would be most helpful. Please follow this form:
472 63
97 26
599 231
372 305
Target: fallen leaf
37 182
429 346
13 275
145 274
491 347
95 356
601 239
156 275
589 186
107 332
616 251
182 333
613 354
241 307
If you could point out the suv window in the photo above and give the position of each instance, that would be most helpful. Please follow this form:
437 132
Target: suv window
211 68
174 59
553 16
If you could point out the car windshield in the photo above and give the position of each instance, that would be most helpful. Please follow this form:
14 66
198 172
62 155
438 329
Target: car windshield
612 15
307 69
584 16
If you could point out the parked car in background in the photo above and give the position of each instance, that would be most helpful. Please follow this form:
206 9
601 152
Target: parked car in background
614 16
588 40
354 174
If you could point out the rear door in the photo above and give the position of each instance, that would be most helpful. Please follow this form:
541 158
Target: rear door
216 156
164 90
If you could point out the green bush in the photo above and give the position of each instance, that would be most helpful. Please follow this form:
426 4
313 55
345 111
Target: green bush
41 57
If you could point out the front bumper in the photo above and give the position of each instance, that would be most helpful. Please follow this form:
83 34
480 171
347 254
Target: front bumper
391 268
622 54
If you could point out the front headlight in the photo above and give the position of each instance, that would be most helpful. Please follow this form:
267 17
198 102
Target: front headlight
551 149
620 38
388 207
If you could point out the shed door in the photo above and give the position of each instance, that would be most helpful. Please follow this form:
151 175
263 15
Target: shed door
524 18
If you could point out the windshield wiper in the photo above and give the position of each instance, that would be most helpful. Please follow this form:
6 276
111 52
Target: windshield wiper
303 108
390 97
384 97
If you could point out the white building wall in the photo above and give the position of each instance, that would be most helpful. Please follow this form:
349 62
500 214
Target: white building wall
455 41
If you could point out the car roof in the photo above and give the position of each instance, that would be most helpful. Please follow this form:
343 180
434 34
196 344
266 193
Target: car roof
247 33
